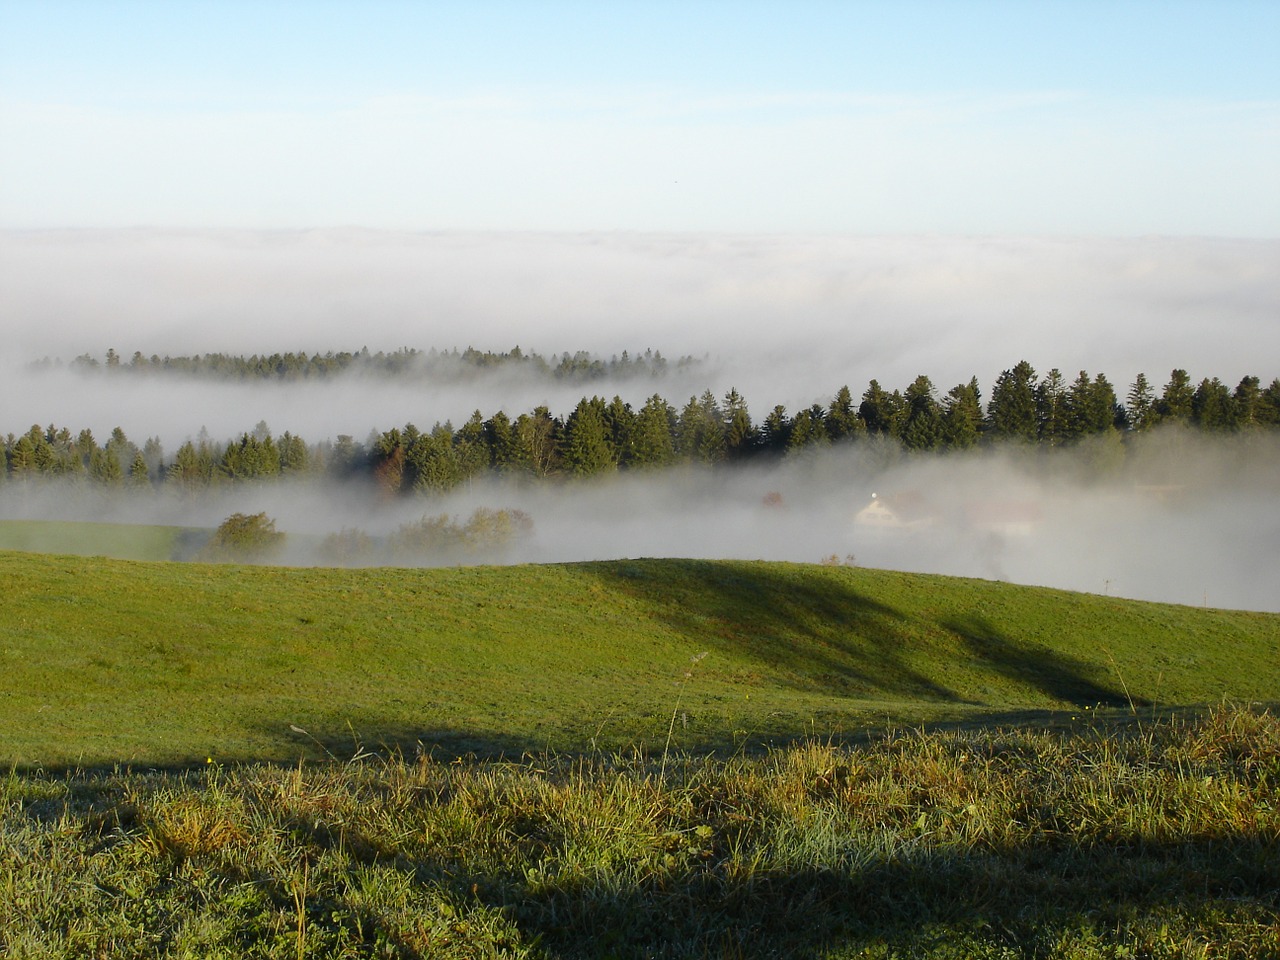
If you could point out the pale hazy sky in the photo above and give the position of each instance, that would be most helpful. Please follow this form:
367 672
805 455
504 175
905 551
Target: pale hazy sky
1099 118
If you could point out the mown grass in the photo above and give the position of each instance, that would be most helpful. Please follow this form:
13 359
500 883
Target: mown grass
1159 840
107 661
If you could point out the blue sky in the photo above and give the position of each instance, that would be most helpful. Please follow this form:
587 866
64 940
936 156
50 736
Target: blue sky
1117 118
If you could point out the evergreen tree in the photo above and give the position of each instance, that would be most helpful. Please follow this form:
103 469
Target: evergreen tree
346 457
700 433
843 421
153 453
293 452
139 476
739 434
186 471
620 423
776 430
504 450
1247 401
962 416
1140 404
808 428
433 461
880 411
1211 406
1011 415
472 446
104 467
586 439
922 424
1269 404
22 457
653 442
1175 402
1051 409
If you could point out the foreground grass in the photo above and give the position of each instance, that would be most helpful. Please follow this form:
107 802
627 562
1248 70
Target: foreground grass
1162 840
106 661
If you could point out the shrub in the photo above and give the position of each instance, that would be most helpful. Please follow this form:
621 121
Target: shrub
244 537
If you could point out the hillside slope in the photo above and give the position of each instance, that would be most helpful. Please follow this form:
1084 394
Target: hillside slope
104 660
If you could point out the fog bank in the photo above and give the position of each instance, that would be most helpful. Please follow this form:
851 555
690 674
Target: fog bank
784 319
1182 518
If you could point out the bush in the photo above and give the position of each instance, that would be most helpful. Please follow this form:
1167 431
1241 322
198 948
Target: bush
486 533
244 537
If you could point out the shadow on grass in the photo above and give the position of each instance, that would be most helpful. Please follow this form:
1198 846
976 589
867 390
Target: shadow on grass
812 634
822 635
1057 677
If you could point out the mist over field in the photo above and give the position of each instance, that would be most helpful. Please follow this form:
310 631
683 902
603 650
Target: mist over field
784 319
1183 518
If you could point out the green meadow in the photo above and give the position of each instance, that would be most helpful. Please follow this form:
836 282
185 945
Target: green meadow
109 661
635 758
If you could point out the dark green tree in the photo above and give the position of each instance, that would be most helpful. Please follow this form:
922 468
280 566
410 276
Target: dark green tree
1246 405
586 449
1140 404
962 416
739 434
653 443
1212 407
1051 409
881 411
1175 402
620 424
922 424
843 422
1011 414
775 432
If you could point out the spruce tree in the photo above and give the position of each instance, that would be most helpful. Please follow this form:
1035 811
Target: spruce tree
922 425
1011 415
1140 404
586 440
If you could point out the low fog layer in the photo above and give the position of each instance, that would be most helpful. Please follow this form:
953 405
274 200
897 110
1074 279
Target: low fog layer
786 320
1181 518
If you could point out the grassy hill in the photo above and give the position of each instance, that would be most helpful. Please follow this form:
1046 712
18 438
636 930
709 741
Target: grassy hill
108 660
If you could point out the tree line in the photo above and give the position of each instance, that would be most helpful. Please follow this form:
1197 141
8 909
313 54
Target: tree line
600 436
406 363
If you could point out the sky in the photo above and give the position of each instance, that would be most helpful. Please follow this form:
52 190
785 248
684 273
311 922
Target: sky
962 118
